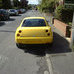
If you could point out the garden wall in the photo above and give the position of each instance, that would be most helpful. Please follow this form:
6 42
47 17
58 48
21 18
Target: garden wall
64 28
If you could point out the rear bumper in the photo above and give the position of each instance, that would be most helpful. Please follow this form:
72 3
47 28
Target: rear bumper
34 40
12 13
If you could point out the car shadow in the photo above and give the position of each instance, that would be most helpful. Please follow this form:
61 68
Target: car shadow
60 45
2 23
34 49
15 15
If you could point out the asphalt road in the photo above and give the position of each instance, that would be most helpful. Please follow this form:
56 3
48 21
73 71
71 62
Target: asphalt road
31 59
19 61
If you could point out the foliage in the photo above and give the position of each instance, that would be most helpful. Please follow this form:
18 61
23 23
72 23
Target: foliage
64 14
0 3
16 2
6 4
29 6
23 4
47 5
58 12
69 23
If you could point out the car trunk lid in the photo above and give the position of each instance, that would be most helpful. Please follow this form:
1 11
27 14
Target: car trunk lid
35 31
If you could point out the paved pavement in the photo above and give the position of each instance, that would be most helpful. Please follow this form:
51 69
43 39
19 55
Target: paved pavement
62 63
19 61
61 59
35 59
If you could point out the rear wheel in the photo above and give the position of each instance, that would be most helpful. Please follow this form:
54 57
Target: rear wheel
50 44
19 45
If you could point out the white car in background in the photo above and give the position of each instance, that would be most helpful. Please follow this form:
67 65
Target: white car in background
13 12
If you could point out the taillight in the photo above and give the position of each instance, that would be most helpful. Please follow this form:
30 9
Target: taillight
20 31
46 30
48 34
18 34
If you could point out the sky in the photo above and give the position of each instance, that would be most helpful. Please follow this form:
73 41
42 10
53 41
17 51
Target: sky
33 1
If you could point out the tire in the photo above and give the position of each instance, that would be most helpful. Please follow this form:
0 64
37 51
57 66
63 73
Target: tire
19 45
50 45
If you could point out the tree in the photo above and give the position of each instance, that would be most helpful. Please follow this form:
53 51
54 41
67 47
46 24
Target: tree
6 4
0 3
29 6
47 5
24 3
16 3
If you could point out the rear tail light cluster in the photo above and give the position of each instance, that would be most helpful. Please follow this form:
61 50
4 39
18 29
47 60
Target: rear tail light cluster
19 33
48 32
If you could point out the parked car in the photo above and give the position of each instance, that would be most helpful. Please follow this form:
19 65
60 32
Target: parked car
21 11
4 15
13 12
33 30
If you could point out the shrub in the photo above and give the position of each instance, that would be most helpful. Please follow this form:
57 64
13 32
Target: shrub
64 14
47 6
67 15
58 12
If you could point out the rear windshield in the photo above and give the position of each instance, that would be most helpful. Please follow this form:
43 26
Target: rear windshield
33 23
12 10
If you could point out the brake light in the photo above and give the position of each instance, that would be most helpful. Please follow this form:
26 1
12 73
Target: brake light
48 34
18 34
20 31
46 30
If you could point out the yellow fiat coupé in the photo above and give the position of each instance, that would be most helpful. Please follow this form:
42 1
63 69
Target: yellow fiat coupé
33 30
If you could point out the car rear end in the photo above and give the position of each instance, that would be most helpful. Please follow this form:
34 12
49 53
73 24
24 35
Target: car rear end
40 34
13 12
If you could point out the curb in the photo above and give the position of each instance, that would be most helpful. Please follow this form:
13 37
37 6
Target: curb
49 63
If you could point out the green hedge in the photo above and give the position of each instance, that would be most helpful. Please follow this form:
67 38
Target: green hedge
64 14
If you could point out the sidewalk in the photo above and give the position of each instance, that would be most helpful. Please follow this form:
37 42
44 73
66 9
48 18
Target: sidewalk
60 60
62 63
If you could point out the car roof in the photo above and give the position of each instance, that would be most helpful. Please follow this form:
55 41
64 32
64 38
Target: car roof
34 18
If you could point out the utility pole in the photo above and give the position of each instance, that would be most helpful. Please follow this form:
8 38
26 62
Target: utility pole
72 39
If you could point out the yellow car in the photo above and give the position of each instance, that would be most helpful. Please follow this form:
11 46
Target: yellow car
33 30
